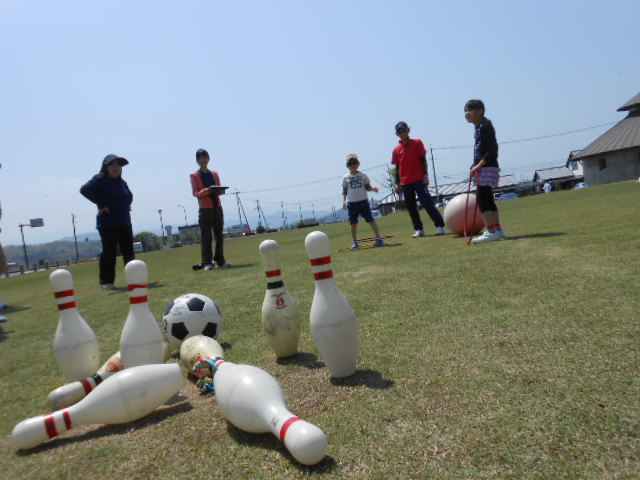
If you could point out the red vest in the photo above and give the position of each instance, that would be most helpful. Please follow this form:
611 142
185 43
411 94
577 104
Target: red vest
205 200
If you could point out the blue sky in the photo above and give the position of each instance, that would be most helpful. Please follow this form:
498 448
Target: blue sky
280 91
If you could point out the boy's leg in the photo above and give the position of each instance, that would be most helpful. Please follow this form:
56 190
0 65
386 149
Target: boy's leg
409 193
427 203
354 231
205 219
374 227
109 238
218 225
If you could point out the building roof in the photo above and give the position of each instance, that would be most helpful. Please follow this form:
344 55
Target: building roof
634 102
555 173
623 135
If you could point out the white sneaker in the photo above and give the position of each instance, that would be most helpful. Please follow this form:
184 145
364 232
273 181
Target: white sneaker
440 231
419 233
108 286
224 265
501 234
208 267
487 237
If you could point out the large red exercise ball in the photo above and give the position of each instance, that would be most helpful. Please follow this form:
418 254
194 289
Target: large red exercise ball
454 215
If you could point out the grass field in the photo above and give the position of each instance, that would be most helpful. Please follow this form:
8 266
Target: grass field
510 360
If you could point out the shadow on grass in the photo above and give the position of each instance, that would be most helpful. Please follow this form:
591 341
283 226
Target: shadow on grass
534 235
156 416
12 309
369 378
125 289
267 440
3 335
304 359
226 346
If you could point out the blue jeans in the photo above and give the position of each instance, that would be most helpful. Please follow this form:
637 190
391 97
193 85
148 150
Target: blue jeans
426 201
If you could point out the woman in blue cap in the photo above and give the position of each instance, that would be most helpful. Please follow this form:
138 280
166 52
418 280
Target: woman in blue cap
113 198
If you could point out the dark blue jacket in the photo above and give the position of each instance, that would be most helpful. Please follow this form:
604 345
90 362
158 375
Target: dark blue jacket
486 145
112 193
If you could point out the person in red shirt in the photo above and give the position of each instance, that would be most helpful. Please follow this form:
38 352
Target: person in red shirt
210 215
412 178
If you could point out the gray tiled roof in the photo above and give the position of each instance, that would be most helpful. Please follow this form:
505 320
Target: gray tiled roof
555 173
456 188
623 135
634 102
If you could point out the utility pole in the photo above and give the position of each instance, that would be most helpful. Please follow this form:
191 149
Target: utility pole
238 203
435 178
75 239
284 221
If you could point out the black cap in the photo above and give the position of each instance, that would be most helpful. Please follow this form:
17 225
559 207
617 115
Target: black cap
401 127
114 158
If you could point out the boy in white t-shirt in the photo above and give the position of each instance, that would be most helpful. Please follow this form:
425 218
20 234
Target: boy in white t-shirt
355 186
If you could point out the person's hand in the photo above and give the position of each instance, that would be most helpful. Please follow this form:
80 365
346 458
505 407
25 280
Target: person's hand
344 205
474 171
375 189
425 180
103 210
398 189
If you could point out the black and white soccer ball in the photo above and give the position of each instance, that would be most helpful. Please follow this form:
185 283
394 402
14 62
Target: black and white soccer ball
189 315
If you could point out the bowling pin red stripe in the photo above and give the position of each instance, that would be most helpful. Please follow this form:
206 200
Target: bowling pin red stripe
323 275
63 293
286 425
64 306
273 273
50 425
142 299
87 386
320 261
133 286
67 419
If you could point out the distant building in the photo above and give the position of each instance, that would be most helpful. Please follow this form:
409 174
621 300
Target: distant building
615 155
560 177
575 165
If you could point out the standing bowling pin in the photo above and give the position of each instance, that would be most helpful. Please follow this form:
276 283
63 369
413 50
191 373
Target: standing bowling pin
75 345
141 340
279 310
72 393
197 348
124 397
253 401
333 324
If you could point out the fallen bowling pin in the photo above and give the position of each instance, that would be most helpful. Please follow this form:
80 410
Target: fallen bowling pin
334 328
141 341
72 393
126 396
253 401
279 309
197 348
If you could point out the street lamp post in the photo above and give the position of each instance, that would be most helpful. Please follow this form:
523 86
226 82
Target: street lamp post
185 215
34 222
161 225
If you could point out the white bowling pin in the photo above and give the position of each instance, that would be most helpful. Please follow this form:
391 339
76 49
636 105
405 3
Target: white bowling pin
72 393
253 401
124 397
74 344
141 340
333 323
198 348
279 310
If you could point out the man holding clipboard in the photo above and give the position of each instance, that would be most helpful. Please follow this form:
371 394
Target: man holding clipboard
205 186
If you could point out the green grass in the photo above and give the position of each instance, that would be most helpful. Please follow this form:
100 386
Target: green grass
515 359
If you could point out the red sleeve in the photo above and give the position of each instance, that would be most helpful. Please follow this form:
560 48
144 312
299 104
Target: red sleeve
423 150
394 159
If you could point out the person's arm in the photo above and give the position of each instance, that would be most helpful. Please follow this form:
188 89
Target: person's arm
368 187
345 186
91 191
426 171
195 187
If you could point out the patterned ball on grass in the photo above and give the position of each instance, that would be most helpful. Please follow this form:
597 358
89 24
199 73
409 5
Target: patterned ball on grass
454 215
189 315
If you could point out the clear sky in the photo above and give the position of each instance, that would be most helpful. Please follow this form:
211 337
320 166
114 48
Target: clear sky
280 91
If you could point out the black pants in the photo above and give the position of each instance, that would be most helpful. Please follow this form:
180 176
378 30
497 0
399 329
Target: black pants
485 200
426 201
211 220
112 238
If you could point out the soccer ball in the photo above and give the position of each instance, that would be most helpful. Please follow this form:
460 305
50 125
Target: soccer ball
189 315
